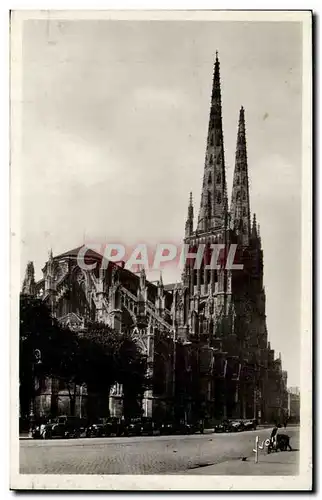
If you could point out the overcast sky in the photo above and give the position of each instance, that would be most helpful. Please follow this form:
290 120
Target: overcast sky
115 118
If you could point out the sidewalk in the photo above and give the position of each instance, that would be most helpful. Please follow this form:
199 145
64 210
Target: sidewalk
284 463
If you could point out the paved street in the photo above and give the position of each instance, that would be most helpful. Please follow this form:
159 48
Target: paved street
139 455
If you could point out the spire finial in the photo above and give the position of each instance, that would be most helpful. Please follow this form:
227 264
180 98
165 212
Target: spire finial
190 199
216 55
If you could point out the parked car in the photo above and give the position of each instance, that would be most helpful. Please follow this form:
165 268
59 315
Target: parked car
149 427
132 427
223 426
167 428
114 426
97 429
64 427
181 427
37 431
250 425
236 426
184 428
199 426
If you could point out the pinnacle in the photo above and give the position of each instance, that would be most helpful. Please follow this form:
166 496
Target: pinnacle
161 280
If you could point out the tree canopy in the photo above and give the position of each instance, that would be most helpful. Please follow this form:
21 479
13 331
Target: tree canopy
98 357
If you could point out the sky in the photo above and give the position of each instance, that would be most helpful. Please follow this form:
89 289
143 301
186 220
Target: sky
114 124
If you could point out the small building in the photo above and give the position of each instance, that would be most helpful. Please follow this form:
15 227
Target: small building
294 404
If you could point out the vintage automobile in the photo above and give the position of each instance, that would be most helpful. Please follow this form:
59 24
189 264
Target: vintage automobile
180 427
184 428
105 427
132 427
97 429
149 427
236 426
61 427
114 427
38 431
250 425
223 426
199 426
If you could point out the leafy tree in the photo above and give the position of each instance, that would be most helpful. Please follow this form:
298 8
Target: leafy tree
98 358
58 346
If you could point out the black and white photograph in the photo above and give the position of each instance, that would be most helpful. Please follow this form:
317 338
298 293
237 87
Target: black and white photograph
161 177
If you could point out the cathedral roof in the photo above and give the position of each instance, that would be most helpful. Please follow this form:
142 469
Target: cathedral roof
74 253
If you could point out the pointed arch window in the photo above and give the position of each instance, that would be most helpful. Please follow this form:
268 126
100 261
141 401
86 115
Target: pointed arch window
218 179
218 140
218 158
244 196
238 195
211 159
238 181
209 178
219 197
212 140
244 211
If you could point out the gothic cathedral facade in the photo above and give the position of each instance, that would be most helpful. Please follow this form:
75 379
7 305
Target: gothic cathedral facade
206 339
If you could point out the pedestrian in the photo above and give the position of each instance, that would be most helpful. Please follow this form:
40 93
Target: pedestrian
273 438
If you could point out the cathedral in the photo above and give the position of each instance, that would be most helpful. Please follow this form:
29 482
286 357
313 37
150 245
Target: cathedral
206 338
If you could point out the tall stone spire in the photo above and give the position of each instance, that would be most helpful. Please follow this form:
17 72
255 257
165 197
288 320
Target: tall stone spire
189 222
240 206
214 193
28 286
